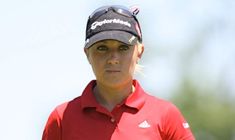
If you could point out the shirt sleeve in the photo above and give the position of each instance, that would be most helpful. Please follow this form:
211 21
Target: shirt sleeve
52 130
175 126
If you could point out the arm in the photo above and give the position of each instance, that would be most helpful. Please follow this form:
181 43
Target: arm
52 130
175 126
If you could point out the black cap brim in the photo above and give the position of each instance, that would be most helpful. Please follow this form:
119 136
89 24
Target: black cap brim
121 36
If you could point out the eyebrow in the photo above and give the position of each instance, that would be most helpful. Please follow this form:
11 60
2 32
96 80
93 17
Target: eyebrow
104 41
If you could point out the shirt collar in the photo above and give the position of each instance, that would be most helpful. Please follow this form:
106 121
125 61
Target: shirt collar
134 100
137 98
88 98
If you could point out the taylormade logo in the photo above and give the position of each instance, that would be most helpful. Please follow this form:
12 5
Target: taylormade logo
108 21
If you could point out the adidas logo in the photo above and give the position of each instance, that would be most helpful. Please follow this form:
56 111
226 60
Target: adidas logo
144 124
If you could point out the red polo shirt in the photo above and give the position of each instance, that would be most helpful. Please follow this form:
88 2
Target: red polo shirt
139 117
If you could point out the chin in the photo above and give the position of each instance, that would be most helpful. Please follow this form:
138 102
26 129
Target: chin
115 82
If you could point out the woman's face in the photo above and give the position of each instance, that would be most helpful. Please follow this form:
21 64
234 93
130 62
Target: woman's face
113 62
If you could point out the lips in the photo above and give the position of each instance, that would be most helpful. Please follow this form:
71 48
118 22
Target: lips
113 71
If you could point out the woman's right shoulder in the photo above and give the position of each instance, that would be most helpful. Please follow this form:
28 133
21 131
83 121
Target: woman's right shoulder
61 108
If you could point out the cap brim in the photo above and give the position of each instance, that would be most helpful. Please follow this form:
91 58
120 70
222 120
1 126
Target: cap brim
121 36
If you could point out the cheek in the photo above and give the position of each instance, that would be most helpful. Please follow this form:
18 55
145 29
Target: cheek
97 64
96 70
94 63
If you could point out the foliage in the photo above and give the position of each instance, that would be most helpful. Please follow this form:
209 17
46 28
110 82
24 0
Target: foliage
211 117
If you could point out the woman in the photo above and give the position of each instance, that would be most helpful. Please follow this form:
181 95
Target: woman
114 106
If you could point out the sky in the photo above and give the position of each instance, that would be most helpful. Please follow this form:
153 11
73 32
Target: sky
42 62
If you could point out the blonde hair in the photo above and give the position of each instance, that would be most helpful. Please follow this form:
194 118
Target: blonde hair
139 68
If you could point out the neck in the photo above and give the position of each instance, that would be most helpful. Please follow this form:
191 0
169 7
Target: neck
109 97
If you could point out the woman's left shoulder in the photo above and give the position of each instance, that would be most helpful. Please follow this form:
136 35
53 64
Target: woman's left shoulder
157 102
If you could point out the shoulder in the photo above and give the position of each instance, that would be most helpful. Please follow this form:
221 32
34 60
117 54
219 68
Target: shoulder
66 106
159 102
152 102
172 123
160 107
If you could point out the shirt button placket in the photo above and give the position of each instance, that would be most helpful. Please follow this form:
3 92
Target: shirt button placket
112 120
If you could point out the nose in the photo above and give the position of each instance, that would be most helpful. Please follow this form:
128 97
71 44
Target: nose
113 61
114 58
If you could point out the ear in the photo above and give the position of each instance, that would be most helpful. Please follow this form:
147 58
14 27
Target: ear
86 50
140 50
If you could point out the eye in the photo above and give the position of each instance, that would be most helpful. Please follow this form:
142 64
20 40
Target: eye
102 48
124 48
